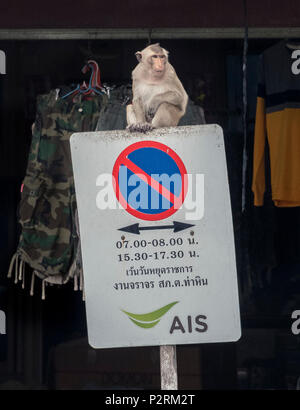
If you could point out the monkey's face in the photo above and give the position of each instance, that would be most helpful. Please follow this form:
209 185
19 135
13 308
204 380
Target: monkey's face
154 59
157 62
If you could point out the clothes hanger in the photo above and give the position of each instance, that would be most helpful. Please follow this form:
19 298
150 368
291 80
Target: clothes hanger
94 82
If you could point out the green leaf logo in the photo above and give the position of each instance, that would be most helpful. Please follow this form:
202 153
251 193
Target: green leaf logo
148 320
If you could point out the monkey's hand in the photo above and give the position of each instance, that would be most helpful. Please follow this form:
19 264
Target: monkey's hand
140 127
151 112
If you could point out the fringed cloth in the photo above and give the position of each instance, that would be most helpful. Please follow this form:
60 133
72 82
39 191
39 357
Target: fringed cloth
17 268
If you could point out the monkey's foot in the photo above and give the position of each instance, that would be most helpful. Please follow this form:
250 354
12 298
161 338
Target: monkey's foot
140 127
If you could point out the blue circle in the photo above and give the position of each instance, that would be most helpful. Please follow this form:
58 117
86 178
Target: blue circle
162 168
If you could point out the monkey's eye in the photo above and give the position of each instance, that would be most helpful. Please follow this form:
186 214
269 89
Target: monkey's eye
154 56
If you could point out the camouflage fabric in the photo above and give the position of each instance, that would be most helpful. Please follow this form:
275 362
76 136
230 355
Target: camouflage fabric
49 239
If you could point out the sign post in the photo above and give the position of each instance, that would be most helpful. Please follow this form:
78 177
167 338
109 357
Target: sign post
157 239
168 368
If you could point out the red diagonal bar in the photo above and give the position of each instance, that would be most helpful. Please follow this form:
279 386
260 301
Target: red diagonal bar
150 181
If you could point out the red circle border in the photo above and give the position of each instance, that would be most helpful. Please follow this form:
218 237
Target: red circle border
180 165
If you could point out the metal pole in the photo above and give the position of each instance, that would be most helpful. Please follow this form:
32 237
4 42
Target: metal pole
168 368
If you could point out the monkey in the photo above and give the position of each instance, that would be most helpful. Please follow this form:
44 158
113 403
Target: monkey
159 99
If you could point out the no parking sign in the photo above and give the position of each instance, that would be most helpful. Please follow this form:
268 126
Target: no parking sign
162 179
156 236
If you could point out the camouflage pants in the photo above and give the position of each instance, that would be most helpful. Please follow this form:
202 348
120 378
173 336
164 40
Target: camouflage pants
49 240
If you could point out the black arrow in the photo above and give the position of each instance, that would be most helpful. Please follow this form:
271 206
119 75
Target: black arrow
135 228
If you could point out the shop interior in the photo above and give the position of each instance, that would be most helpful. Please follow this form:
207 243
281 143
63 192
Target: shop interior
46 343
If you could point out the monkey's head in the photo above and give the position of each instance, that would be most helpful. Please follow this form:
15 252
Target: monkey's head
154 58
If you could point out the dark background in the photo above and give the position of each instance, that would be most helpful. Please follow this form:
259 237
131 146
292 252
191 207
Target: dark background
45 346
146 14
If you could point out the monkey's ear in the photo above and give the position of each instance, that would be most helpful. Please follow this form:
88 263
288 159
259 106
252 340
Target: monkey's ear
138 55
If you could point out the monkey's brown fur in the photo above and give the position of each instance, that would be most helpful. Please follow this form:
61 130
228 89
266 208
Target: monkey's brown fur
159 99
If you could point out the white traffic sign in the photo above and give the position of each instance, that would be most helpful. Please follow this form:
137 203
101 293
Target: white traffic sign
156 236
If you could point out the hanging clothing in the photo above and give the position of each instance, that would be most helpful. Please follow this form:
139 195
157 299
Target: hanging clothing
113 114
278 122
49 241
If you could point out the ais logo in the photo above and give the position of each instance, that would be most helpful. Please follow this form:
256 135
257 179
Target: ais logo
189 324
148 320
151 319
